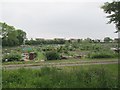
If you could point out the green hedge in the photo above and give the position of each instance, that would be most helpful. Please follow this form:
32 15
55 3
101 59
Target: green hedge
102 55
52 55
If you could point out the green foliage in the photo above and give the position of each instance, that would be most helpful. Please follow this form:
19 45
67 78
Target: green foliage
101 55
52 55
21 35
113 9
102 50
76 77
11 57
11 36
40 56
107 39
43 41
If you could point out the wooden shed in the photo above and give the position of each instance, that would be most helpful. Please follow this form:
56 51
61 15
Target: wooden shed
32 55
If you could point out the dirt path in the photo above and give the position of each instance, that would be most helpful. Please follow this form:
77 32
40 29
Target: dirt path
60 64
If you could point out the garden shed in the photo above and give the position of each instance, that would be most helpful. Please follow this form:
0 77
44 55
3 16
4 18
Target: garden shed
28 56
32 55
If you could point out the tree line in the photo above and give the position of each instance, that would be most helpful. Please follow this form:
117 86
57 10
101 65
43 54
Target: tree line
16 37
41 41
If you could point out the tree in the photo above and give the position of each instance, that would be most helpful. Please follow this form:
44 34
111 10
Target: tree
59 41
88 40
79 40
113 9
107 39
8 35
21 36
11 36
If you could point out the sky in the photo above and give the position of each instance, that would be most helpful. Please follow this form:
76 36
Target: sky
58 18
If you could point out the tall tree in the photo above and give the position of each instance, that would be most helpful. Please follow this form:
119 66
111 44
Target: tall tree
21 36
113 9
10 36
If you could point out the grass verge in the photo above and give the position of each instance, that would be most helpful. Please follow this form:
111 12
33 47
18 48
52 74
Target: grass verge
92 76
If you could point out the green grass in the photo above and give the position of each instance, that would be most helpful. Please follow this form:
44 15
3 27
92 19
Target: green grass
91 76
40 56
53 61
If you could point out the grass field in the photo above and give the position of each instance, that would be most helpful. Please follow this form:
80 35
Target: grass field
91 76
54 61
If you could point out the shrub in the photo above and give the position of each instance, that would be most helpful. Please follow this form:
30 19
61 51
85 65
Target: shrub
11 57
52 55
101 55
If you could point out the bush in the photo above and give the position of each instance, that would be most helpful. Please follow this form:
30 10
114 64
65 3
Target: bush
101 55
11 57
52 55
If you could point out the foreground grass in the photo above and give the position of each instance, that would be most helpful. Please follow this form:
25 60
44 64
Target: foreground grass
92 76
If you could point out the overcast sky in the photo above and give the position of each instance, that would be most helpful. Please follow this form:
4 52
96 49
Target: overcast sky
58 18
